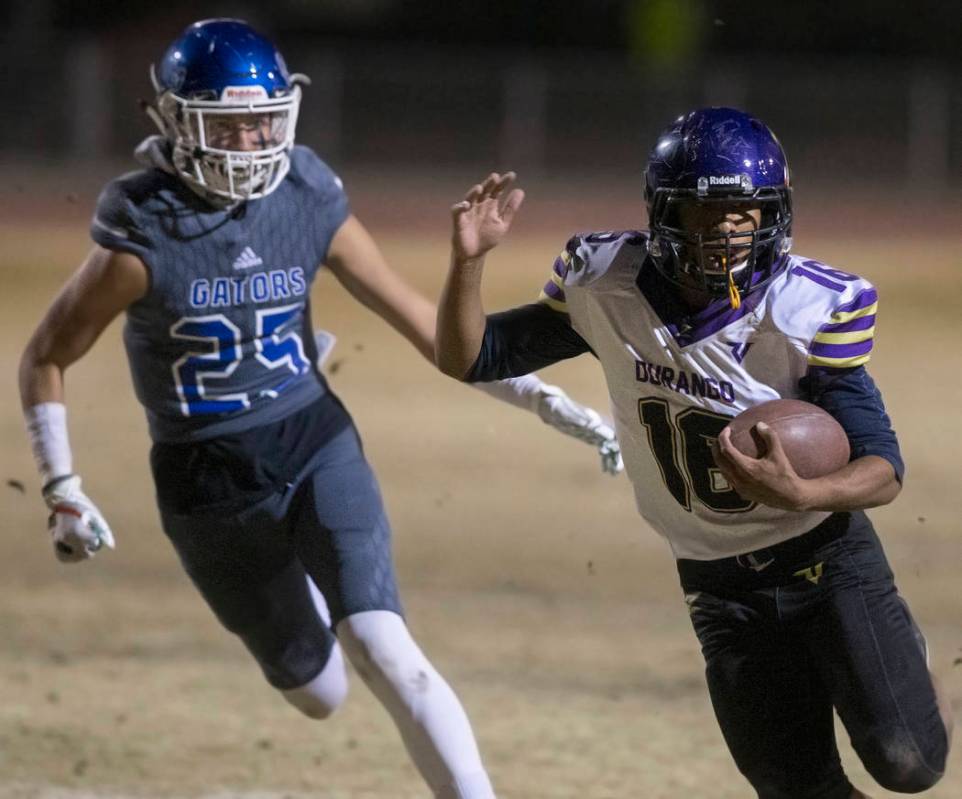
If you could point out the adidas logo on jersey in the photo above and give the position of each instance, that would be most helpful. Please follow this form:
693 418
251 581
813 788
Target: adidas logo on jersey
247 259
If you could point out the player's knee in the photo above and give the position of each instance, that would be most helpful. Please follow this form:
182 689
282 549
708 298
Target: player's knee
314 707
317 703
902 767
383 652
320 697
374 660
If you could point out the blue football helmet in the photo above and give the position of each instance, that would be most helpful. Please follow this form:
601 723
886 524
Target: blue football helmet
724 160
228 106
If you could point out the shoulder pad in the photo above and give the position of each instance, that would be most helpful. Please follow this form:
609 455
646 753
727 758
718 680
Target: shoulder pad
832 310
590 256
310 170
116 223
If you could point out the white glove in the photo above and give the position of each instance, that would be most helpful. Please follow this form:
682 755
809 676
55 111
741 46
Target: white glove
574 419
78 529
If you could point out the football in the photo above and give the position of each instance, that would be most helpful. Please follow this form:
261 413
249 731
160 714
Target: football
814 442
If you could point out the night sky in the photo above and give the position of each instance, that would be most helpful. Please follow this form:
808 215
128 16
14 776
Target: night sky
666 29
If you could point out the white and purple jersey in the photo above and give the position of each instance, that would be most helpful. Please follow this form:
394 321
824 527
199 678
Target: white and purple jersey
676 378
222 341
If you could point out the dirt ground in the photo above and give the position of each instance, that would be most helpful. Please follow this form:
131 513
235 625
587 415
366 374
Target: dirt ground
527 575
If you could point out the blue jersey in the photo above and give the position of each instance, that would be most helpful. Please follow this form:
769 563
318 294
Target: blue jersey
222 340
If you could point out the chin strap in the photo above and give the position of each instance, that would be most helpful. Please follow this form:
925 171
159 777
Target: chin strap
734 295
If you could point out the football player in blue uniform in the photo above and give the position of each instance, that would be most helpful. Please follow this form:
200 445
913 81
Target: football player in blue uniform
706 314
261 480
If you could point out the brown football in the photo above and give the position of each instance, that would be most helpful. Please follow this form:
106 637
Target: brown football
814 442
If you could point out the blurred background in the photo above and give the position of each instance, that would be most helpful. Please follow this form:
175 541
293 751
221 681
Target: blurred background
864 92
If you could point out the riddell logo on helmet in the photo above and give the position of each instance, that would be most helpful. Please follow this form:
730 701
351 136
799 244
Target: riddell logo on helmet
744 182
242 94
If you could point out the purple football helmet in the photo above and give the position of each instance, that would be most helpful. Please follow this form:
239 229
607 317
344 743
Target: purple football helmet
722 157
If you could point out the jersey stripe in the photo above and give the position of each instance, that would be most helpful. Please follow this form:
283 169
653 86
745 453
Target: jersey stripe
826 336
842 350
847 316
840 355
863 299
555 305
846 341
553 293
839 363
859 323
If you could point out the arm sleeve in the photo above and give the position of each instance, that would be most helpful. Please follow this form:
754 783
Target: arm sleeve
852 398
524 340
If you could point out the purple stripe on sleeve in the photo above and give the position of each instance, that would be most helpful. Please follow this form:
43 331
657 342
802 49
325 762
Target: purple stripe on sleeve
559 267
861 323
864 299
841 350
554 292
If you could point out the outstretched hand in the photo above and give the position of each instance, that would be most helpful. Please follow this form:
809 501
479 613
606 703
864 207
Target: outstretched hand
483 217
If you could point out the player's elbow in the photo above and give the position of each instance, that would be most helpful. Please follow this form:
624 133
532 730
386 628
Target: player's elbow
890 491
455 369
881 495
452 363
890 482
874 481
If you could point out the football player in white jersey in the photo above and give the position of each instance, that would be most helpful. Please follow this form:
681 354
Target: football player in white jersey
703 315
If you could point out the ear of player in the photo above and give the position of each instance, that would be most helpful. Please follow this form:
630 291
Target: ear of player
77 528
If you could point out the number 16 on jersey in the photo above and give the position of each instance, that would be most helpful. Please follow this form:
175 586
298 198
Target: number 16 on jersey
682 449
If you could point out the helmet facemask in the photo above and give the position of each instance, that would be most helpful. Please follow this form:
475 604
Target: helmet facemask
233 148
718 263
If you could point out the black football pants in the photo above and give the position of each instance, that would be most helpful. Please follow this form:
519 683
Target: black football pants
804 627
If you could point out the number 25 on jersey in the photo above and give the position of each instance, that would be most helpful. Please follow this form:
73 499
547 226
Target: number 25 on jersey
275 349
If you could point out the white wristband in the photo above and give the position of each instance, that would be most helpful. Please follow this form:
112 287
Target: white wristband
47 427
